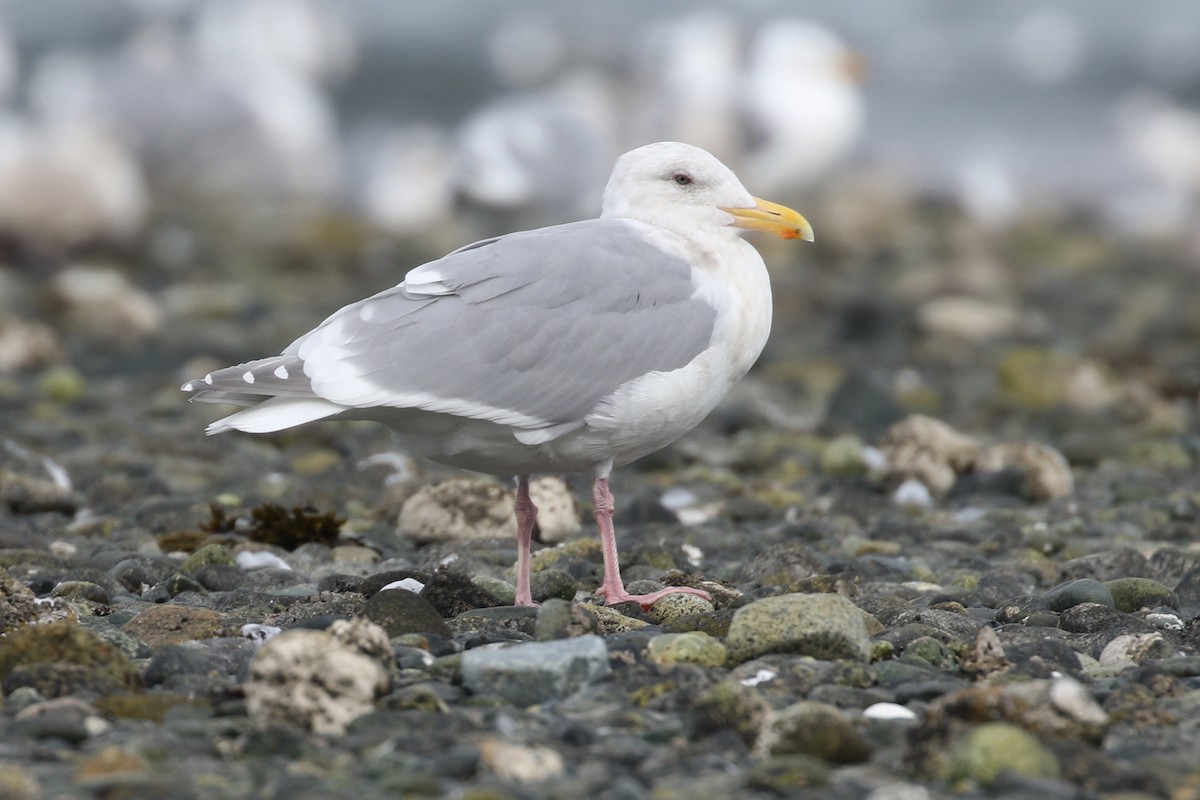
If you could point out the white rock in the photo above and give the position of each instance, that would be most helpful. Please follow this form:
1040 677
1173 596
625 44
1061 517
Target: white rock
900 791
1128 649
103 302
310 679
558 512
460 509
260 633
693 554
929 450
27 343
520 763
888 711
1071 698
1165 621
1046 473
250 559
912 494
762 676
410 584
967 318
466 509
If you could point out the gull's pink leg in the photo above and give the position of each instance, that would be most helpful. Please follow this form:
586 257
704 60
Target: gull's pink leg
613 587
526 519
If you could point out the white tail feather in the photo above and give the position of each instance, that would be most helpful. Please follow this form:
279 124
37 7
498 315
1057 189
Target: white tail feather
276 414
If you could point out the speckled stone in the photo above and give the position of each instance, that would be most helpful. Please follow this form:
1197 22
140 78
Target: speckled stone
811 728
825 626
674 606
1131 649
166 624
312 680
927 450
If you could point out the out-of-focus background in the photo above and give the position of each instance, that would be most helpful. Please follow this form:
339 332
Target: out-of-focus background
395 112
1010 188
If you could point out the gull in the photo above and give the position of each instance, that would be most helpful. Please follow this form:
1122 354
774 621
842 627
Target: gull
574 348
539 154
803 104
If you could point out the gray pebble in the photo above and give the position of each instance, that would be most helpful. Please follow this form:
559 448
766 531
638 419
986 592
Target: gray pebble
525 674
1072 593
1120 562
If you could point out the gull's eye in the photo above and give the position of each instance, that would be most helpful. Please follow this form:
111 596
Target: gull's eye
682 179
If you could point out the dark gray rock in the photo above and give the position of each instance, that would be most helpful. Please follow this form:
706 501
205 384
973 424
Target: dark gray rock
499 624
1018 609
451 593
221 578
270 579
1055 654
553 583
1121 562
220 662
138 573
1072 593
1168 565
399 611
1096 618
1187 592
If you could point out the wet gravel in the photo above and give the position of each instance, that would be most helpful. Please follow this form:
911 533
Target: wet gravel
950 525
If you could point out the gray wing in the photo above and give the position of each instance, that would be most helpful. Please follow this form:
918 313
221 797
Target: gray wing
530 330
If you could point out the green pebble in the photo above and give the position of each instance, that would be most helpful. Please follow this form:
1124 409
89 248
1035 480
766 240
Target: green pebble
209 554
1133 594
988 751
784 775
927 650
845 456
62 384
687 648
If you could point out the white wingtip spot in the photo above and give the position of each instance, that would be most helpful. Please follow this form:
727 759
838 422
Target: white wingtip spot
208 379
248 376
187 387
281 372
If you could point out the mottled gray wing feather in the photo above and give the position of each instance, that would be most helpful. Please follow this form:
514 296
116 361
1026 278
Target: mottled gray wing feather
530 329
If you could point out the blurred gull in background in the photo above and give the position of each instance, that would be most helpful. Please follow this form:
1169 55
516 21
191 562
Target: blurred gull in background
9 72
66 186
243 139
539 154
526 52
686 76
1163 138
1048 46
803 104
308 39
400 177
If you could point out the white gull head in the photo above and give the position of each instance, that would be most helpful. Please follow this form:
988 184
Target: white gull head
686 190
